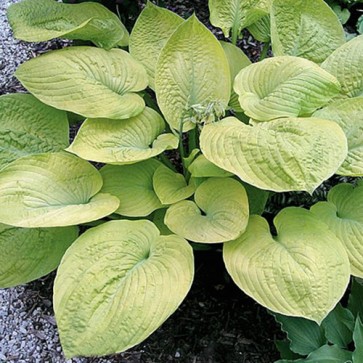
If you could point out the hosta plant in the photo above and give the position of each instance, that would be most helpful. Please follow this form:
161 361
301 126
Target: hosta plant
189 140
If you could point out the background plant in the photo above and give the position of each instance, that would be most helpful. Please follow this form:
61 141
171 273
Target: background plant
240 132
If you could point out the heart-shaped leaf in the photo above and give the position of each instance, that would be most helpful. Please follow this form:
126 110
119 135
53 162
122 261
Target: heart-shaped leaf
303 271
28 126
192 71
171 187
88 81
236 60
281 155
118 283
203 168
42 20
29 253
346 64
305 28
51 190
133 186
348 114
123 141
219 214
236 14
284 87
152 29
343 213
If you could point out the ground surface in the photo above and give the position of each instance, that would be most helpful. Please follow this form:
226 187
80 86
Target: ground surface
216 322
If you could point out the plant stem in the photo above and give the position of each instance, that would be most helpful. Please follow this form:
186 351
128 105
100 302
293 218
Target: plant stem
181 146
193 139
234 35
167 162
264 51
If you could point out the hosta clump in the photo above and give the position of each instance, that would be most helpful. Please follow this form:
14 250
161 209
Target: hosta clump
241 132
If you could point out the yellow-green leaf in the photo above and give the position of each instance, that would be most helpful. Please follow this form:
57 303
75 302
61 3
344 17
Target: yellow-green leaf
51 190
219 214
42 20
152 29
88 81
348 114
171 187
303 271
29 253
305 28
203 168
117 284
261 29
123 141
236 14
284 87
346 64
343 213
281 155
28 126
133 186
192 70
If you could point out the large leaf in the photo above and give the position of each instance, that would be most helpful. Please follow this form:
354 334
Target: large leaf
192 70
236 60
338 326
171 187
280 155
133 186
29 253
117 284
203 168
152 29
42 20
343 213
348 114
236 14
325 354
284 87
88 81
219 213
305 28
28 126
303 271
346 64
304 335
261 29
51 190
123 141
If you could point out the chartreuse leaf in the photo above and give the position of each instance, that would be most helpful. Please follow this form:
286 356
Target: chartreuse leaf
89 81
325 354
305 28
345 63
348 114
236 14
171 187
117 284
133 186
219 213
343 213
304 335
152 29
236 60
284 87
203 168
302 272
29 253
123 141
261 29
358 341
192 70
28 126
280 155
41 20
51 190
339 326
